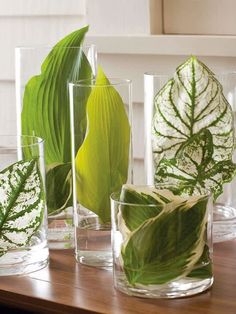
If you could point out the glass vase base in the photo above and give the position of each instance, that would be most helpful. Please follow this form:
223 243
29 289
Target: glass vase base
61 239
24 261
60 233
224 223
176 289
93 240
95 259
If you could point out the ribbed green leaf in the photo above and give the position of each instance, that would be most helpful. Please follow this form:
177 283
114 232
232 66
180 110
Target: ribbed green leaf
167 246
46 108
22 204
46 101
195 167
190 102
102 159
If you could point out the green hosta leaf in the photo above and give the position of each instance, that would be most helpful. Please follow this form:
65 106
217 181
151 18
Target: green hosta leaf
59 188
46 108
190 102
102 159
167 246
46 100
21 204
195 167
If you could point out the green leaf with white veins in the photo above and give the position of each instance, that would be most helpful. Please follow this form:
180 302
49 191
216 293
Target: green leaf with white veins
195 167
191 101
22 204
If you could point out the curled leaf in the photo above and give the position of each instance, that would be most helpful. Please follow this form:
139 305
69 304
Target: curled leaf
131 214
166 245
59 188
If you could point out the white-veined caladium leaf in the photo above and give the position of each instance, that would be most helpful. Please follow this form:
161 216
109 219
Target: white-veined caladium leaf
167 246
22 204
191 101
194 170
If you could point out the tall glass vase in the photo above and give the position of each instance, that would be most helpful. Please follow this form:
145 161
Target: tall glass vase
102 161
23 215
42 76
221 141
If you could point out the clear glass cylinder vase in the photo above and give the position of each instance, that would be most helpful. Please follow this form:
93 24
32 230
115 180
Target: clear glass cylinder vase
42 76
101 114
157 253
163 116
23 214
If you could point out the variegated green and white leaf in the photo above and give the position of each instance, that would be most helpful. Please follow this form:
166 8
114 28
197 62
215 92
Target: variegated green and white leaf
22 204
154 253
132 216
191 101
194 169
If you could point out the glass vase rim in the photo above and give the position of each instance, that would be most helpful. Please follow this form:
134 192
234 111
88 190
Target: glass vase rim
39 141
114 195
171 74
114 81
35 47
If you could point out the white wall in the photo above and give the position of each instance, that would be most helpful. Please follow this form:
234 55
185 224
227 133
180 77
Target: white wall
30 23
125 17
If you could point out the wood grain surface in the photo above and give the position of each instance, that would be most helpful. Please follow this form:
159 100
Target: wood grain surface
67 287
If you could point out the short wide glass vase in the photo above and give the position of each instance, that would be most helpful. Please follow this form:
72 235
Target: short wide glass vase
162 248
23 212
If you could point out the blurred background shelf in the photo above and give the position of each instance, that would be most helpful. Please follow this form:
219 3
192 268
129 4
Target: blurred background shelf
172 45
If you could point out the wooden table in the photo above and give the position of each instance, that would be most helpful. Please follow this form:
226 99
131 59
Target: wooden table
66 287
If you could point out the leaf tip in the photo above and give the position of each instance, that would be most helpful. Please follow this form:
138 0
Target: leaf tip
193 58
101 78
